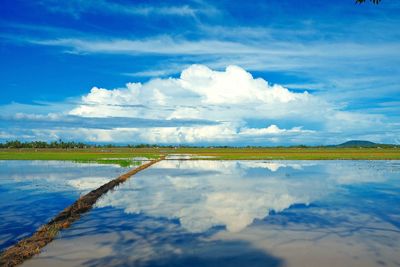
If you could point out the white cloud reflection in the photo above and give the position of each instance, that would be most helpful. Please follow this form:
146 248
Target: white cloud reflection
203 194
56 176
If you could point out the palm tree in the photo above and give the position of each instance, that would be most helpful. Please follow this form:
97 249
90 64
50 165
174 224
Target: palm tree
373 1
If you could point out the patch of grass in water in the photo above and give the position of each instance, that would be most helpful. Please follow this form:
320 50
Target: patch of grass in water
121 162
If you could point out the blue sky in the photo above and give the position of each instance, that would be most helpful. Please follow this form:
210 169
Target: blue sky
200 72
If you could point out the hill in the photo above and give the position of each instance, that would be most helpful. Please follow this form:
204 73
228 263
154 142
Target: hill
358 143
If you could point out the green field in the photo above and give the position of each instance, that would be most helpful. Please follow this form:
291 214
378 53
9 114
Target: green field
126 156
121 156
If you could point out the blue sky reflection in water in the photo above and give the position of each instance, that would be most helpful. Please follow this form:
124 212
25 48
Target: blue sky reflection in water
32 192
242 213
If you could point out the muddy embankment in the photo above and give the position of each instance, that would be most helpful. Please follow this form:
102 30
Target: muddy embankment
32 245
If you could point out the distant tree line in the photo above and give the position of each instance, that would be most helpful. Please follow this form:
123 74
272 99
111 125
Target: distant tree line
71 144
41 144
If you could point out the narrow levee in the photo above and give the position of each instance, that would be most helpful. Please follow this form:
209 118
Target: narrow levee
32 245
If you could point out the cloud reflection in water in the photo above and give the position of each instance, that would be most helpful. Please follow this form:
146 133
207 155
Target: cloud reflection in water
203 194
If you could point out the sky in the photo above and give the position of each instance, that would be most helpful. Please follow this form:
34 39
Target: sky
200 72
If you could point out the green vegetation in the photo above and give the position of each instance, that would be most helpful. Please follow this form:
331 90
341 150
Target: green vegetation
120 162
294 153
125 155
61 144
41 144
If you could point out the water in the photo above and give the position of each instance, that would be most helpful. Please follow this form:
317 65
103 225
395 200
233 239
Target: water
241 213
32 192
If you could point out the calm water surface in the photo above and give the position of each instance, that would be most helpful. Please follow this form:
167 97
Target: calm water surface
241 213
32 192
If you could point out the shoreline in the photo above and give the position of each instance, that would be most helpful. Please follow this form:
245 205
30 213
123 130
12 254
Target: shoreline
125 155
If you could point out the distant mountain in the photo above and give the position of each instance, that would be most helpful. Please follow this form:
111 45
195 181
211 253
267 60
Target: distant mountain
358 143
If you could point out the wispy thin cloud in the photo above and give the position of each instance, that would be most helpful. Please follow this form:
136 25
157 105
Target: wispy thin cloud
286 51
60 121
76 8
337 66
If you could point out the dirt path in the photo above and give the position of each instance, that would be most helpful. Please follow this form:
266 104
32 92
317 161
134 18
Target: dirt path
28 247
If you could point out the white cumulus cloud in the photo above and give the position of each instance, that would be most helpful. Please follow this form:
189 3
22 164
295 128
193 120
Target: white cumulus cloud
202 106
231 98
199 91
227 97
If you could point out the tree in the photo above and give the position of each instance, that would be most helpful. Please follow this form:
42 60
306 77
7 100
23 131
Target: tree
363 1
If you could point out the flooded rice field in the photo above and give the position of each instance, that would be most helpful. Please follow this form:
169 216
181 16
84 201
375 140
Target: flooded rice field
216 213
32 192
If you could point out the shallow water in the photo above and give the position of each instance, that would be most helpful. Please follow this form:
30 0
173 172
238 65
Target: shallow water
32 192
241 213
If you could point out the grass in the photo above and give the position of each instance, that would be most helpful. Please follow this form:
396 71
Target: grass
124 156
120 162
299 153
